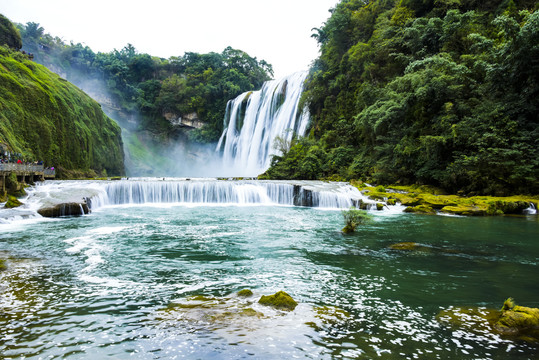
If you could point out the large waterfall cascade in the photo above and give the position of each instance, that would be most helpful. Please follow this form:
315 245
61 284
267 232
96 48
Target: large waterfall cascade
254 119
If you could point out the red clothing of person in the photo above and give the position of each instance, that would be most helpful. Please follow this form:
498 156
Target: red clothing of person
19 161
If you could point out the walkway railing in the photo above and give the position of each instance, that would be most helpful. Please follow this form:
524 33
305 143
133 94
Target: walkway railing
27 168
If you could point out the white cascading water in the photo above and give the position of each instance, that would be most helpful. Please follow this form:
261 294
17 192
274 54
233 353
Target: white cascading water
98 194
217 192
253 121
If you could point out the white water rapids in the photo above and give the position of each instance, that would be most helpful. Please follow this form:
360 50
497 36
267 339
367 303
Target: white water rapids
187 192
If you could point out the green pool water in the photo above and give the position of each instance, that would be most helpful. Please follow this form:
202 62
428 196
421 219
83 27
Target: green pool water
159 282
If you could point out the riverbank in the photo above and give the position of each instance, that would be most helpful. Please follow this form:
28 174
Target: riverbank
430 200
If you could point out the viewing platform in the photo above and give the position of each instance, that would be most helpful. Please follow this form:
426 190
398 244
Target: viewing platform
28 174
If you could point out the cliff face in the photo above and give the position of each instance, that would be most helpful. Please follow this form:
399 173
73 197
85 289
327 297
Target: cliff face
44 117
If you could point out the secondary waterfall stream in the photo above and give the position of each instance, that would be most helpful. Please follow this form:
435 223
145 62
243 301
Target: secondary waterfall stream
254 119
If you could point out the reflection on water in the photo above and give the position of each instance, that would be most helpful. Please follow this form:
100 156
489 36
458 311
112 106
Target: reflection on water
150 282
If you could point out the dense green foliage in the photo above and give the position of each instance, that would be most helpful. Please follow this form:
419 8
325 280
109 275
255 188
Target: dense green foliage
147 87
9 36
44 117
441 92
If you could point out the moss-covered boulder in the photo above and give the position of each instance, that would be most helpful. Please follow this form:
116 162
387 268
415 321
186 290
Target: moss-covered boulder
464 210
245 293
65 209
438 201
421 209
409 201
12 202
3 265
511 321
280 300
518 320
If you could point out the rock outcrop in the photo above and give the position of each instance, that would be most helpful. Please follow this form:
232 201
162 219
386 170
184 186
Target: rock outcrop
280 300
188 120
65 209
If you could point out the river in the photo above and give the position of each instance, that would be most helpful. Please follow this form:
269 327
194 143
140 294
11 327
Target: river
159 281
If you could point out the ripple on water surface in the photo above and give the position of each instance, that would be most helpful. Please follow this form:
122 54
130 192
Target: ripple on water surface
161 283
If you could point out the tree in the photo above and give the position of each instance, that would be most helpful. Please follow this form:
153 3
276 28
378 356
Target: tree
9 36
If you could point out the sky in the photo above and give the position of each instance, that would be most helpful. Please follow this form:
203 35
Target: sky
278 31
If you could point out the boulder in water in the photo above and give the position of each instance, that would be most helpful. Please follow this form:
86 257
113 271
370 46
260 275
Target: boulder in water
280 300
245 293
518 320
12 202
64 209
513 321
420 209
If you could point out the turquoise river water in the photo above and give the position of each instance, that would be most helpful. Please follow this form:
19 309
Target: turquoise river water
159 281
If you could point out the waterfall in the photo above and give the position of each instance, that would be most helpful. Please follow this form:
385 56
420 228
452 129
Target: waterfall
254 119
245 192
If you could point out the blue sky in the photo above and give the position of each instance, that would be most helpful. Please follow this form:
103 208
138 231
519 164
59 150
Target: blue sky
278 31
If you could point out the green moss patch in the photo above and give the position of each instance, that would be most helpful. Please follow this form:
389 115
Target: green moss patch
512 321
426 199
12 202
422 209
245 293
280 300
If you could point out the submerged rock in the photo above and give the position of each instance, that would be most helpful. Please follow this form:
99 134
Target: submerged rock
280 300
405 246
65 209
513 320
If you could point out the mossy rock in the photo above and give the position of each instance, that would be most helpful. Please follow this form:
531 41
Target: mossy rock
280 300
512 321
436 201
408 201
374 194
3 265
379 206
391 202
464 210
12 202
496 207
518 320
348 229
245 293
421 209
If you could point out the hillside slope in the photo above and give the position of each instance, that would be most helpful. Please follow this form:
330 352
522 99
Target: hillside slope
442 92
44 117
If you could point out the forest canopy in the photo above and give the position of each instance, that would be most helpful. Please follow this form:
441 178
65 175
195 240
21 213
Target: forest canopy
147 87
440 92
